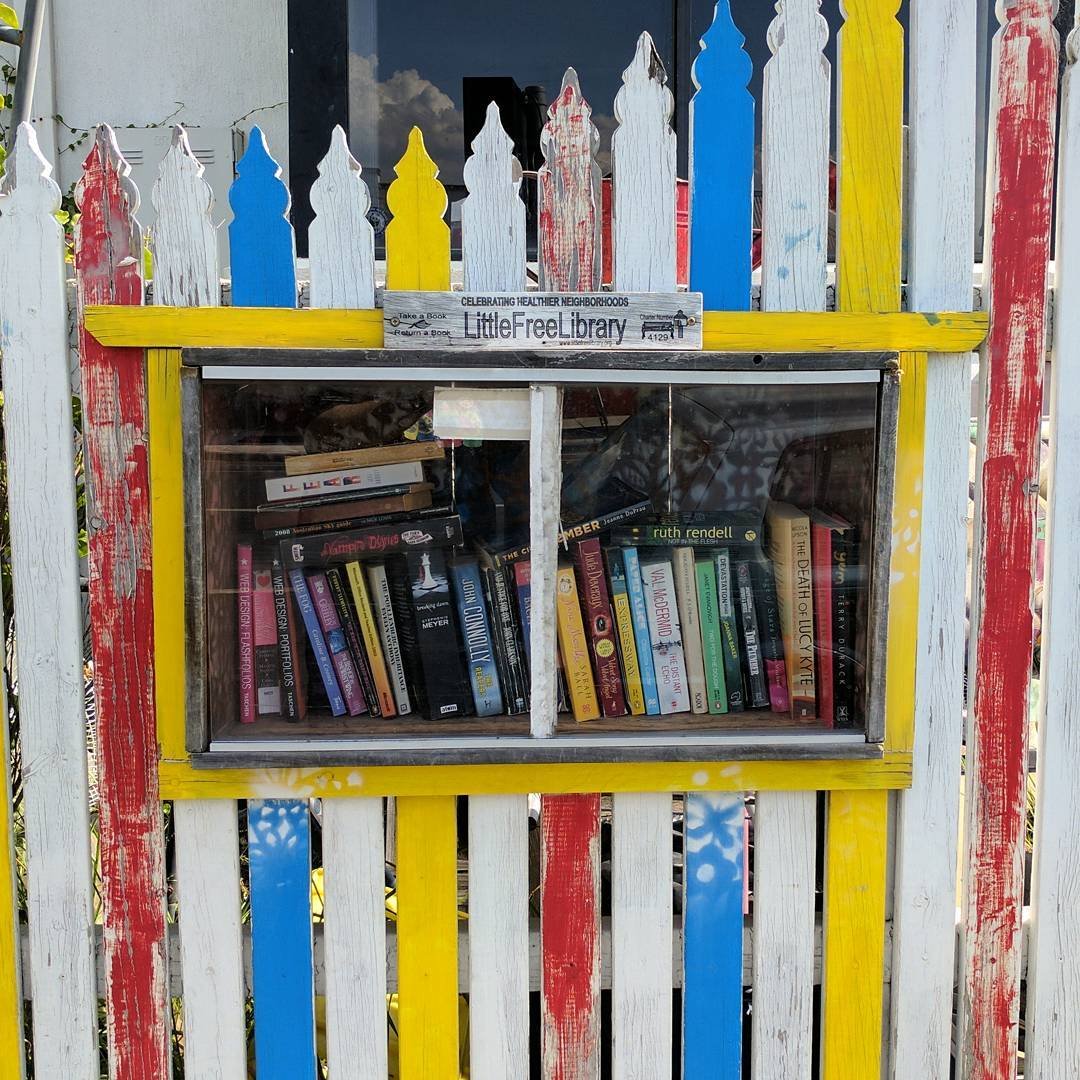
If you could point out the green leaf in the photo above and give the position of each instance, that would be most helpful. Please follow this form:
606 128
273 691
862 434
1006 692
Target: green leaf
8 16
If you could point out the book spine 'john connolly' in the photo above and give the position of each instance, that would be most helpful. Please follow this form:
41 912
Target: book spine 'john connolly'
690 621
821 554
770 632
477 636
845 555
574 647
369 632
755 669
286 643
636 592
624 625
444 675
317 641
353 640
523 588
729 631
337 643
245 632
267 671
379 587
666 634
600 627
712 641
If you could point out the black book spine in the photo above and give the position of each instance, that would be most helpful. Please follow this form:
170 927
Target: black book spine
352 639
318 528
448 693
508 640
515 641
487 576
844 589
748 624
290 706
397 576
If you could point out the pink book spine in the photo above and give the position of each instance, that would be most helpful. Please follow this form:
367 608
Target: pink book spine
821 538
337 643
245 633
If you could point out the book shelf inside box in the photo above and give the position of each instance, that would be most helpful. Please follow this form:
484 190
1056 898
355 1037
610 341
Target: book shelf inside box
636 457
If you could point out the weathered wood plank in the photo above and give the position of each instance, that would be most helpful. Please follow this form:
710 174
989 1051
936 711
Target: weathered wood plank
1019 178
417 239
108 261
12 1067
941 189
1052 1047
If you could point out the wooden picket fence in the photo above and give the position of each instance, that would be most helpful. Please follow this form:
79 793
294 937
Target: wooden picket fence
886 962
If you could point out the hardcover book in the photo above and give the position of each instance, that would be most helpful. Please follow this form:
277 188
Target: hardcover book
770 632
624 625
289 659
844 591
636 592
379 590
574 647
821 553
369 634
317 641
712 641
596 605
666 634
302 464
582 529
344 524
515 686
345 545
352 638
729 631
267 672
336 643
379 504
281 488
751 642
686 596
245 632
477 636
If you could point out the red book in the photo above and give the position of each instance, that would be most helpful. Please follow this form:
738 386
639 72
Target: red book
245 633
821 540
600 626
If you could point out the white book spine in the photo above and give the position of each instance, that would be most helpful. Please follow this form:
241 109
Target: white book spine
280 488
384 617
666 634
690 621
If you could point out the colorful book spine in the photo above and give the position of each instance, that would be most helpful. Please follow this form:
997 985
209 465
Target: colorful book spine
369 632
666 634
686 597
477 636
267 669
600 626
245 633
712 640
379 588
636 592
286 642
281 488
523 589
770 632
821 554
844 592
729 631
317 641
574 647
336 643
624 625
444 677
353 640
751 641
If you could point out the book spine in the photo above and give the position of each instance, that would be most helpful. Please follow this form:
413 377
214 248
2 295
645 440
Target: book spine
302 464
769 630
523 589
352 639
844 585
444 677
689 618
280 488
821 554
370 634
803 695
581 530
755 669
337 643
712 642
397 575
574 647
674 535
624 625
267 672
502 609
477 636
321 528
379 587
666 634
318 642
381 540
729 632
245 633
636 592
487 577
290 704
600 626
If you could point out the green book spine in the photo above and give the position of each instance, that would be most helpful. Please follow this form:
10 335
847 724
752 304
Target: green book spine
729 630
712 641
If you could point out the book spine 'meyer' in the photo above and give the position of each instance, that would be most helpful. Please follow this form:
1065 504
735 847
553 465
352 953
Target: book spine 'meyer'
600 626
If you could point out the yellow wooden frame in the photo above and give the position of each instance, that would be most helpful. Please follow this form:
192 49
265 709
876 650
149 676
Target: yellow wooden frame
149 328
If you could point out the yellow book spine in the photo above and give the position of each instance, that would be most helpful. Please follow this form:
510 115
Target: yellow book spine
624 623
370 633
574 647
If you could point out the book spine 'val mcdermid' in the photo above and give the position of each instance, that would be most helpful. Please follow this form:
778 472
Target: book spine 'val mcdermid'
624 625
712 641
477 636
364 479
690 621
666 633
444 676
379 588
574 647
821 553
286 642
317 641
729 631
353 640
397 575
755 669
600 627
845 553
770 632
636 591
369 633
337 643
245 632
267 671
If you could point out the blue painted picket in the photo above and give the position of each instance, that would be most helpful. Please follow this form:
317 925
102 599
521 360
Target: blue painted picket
279 839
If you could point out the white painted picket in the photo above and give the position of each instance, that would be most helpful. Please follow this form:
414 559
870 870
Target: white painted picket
1053 1033
207 833
48 616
